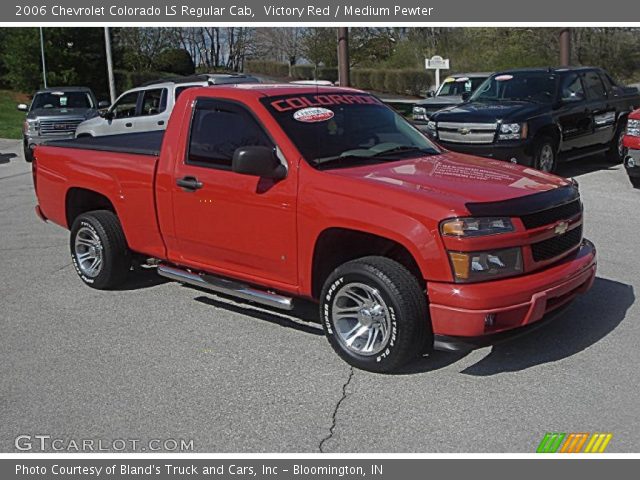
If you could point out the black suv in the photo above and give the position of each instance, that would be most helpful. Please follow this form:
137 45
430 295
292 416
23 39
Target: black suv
539 116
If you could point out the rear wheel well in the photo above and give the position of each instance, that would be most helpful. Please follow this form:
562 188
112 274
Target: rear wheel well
336 246
81 200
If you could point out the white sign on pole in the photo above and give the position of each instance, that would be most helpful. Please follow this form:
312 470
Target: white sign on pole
437 63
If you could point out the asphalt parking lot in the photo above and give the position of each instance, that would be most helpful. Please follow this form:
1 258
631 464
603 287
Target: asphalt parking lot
157 360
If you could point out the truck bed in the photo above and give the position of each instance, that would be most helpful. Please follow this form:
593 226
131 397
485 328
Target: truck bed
141 143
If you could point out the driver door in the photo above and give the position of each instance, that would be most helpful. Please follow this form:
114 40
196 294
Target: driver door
239 225
124 113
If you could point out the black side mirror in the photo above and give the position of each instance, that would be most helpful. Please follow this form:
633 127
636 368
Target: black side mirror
258 161
107 114
466 96
103 104
431 93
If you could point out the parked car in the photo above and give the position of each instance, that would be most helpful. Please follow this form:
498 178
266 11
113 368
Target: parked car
55 113
632 144
449 93
148 107
141 109
271 193
538 117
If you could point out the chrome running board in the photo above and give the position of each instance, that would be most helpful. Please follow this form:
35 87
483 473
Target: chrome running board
226 286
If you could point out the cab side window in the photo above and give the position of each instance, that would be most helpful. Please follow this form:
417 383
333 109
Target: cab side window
218 128
126 106
154 101
594 86
571 89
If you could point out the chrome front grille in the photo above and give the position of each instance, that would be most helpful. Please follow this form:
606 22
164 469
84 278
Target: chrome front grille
59 127
455 132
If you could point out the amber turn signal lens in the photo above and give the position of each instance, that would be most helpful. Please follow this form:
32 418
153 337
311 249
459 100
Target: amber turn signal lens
460 263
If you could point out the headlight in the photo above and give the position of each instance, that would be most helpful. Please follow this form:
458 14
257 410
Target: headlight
633 128
475 227
512 131
479 266
30 127
419 113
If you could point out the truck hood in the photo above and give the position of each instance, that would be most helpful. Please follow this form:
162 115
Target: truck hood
64 113
454 179
491 112
441 101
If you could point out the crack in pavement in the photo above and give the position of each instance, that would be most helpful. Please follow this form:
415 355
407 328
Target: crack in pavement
334 415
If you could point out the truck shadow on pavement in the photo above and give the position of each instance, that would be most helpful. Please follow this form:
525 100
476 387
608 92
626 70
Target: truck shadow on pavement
591 318
6 157
585 165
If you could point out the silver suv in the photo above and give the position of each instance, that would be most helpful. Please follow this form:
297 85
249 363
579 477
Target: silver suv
54 113
147 108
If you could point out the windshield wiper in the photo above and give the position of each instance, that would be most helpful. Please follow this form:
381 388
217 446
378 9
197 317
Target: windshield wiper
338 158
403 149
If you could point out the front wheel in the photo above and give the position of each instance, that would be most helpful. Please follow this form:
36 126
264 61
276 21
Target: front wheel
617 151
99 250
545 155
635 181
374 314
28 152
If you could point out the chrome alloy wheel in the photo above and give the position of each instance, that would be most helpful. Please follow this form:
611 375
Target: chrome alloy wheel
361 319
546 158
88 252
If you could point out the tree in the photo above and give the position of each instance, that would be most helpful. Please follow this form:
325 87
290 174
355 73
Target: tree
175 60
320 46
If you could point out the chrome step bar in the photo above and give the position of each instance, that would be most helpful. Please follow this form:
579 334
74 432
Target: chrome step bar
226 286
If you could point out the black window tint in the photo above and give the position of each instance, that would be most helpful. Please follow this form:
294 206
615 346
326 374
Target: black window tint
571 88
594 86
126 106
218 129
154 101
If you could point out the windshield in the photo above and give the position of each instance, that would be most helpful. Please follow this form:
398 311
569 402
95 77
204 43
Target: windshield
342 130
458 86
527 86
62 100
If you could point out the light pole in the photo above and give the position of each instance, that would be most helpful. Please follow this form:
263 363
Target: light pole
44 65
343 56
112 81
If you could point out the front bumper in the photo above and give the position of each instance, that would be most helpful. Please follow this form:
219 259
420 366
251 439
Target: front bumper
632 163
517 152
482 313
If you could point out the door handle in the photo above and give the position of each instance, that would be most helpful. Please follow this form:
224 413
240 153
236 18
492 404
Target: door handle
129 124
160 122
189 183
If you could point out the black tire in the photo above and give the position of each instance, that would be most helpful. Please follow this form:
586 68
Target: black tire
635 181
543 147
405 302
617 151
102 227
28 153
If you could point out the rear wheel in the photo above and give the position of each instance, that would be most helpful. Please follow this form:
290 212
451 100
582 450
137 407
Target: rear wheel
617 151
545 154
374 314
99 250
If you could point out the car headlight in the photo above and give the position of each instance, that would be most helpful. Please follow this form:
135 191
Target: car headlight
512 131
475 227
419 113
30 127
490 265
633 128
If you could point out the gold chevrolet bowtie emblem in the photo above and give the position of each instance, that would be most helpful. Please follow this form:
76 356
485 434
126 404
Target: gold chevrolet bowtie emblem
464 131
561 228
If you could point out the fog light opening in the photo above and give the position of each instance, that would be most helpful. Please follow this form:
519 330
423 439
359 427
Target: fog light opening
489 319
631 163
513 160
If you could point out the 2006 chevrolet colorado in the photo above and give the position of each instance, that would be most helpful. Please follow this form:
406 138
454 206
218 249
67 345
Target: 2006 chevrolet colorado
274 192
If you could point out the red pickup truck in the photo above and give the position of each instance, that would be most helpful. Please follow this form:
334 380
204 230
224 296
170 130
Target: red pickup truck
632 144
276 192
